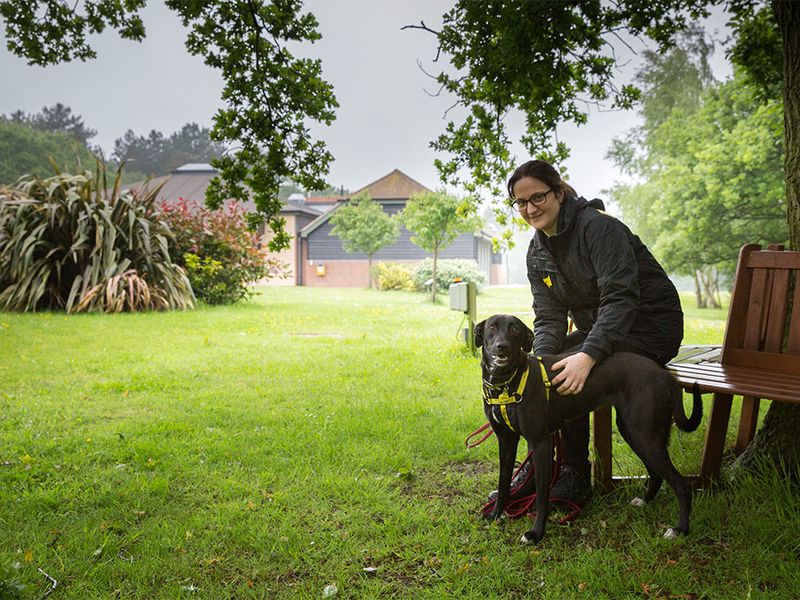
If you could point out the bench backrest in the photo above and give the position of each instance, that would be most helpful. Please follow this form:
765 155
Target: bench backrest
756 331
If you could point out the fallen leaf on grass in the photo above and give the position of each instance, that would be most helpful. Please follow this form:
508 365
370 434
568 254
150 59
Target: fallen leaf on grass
582 586
28 556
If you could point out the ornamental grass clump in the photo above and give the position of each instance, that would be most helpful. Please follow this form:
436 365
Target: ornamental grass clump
67 242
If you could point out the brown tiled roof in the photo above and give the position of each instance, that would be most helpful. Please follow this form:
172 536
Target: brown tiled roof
324 199
191 186
395 185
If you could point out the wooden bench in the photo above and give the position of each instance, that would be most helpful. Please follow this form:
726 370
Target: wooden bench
759 358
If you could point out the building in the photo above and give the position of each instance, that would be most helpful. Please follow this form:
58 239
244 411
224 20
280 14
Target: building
324 261
316 256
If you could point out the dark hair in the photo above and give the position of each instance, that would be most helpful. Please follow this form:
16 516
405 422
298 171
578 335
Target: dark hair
544 172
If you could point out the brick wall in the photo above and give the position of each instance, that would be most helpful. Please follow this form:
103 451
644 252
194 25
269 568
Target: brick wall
499 276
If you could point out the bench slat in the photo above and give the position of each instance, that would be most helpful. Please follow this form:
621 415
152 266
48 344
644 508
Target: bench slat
756 391
774 362
783 389
730 371
787 384
771 259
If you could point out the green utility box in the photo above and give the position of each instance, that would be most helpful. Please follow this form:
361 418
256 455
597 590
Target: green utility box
463 298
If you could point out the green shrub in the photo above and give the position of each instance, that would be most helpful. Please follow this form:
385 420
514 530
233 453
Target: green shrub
67 242
220 254
446 271
393 276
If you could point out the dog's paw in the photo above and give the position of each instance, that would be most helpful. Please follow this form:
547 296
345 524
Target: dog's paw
671 534
637 502
525 539
494 515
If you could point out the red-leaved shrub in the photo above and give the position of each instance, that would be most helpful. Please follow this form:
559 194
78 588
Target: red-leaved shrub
221 256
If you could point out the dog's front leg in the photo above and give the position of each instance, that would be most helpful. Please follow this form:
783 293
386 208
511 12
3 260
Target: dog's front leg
507 445
542 460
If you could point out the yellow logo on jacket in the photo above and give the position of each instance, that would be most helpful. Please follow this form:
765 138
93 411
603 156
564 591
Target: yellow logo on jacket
548 282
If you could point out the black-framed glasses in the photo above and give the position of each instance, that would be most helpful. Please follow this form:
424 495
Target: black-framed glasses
536 199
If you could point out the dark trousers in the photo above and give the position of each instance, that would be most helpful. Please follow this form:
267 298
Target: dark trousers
575 434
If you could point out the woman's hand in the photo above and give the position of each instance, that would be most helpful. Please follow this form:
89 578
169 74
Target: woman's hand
575 370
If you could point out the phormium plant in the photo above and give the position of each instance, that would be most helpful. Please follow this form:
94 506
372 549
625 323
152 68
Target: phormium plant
68 242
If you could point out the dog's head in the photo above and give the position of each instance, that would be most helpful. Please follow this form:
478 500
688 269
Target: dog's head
503 339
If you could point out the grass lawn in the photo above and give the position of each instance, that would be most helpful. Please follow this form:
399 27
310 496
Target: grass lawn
278 447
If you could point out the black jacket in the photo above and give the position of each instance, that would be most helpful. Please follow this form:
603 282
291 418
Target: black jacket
597 271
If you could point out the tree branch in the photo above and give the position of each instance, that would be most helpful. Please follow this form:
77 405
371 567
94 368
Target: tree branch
424 27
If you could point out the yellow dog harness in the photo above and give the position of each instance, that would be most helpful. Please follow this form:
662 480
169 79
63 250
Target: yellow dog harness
506 397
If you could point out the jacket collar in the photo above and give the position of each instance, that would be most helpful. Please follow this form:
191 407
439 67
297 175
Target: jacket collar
567 217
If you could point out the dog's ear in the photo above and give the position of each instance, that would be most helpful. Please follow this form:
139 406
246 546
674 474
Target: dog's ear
527 339
479 334
527 336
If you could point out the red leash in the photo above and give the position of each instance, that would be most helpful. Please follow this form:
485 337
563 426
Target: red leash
476 432
519 506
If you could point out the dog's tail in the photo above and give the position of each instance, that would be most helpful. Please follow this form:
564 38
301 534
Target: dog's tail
693 422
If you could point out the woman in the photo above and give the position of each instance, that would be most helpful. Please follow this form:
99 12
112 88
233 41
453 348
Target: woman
586 265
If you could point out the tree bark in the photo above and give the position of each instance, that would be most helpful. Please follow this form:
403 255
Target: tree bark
698 292
709 288
435 259
778 440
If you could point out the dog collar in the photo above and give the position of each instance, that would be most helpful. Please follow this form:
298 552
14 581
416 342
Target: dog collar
506 396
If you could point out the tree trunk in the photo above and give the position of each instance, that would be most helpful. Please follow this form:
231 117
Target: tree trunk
698 292
707 277
778 440
369 272
433 287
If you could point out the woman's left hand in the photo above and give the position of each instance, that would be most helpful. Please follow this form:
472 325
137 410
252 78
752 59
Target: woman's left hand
575 370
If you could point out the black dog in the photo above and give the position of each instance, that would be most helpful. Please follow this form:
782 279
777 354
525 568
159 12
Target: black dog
518 401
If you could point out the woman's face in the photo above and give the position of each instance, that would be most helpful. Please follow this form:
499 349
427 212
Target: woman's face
544 216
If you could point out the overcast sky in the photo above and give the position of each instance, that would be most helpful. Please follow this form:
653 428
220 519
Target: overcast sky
385 120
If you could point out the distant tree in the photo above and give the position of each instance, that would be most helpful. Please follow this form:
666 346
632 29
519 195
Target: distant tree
435 219
26 151
708 158
156 154
363 226
57 118
329 191
270 97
